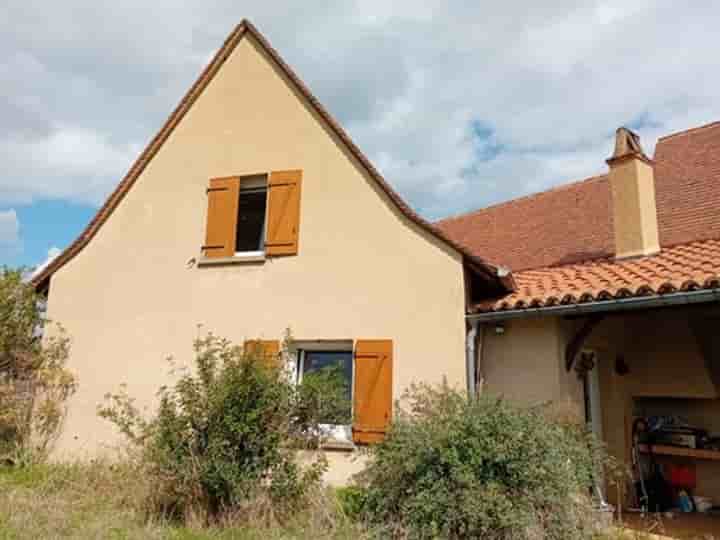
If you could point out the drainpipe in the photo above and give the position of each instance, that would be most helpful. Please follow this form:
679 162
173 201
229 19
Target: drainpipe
470 356
479 355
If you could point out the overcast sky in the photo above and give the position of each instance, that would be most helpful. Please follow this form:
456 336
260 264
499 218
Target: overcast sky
459 104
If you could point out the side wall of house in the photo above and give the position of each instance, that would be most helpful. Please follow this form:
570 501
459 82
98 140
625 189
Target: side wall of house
525 363
134 296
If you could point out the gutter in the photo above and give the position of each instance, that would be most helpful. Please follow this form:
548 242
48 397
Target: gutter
604 306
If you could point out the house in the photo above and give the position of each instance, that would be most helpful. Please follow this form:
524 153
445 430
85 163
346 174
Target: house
616 305
251 212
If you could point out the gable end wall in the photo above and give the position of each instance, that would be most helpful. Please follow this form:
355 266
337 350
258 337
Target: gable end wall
132 296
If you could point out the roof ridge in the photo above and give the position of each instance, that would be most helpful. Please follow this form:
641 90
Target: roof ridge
689 130
560 187
177 115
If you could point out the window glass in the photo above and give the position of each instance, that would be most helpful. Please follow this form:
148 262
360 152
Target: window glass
316 360
251 220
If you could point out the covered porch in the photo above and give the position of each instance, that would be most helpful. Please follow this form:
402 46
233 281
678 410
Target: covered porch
615 361
657 371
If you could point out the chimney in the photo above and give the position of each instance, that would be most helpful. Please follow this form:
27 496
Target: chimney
632 183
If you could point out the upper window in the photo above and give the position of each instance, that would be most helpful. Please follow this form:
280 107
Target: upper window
258 214
250 235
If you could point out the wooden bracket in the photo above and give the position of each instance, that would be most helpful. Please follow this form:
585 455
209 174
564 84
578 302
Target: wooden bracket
573 347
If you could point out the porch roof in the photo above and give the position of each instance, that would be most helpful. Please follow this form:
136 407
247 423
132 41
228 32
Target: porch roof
680 268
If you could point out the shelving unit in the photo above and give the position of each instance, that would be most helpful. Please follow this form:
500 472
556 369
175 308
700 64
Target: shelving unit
664 450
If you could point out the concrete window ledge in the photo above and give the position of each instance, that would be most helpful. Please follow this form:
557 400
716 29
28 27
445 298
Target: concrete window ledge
237 259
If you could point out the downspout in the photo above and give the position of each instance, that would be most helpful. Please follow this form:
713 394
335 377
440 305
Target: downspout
479 355
470 363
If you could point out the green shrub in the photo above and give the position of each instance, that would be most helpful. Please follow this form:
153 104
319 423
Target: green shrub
34 382
482 468
224 438
352 500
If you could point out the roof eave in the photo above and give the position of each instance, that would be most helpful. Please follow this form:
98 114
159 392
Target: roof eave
601 306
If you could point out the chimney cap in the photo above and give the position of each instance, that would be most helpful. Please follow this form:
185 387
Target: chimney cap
627 144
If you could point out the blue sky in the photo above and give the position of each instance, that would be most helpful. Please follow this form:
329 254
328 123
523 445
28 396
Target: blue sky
459 104
47 224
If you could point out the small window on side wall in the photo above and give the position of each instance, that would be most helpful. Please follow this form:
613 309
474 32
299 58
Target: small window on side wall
258 214
250 233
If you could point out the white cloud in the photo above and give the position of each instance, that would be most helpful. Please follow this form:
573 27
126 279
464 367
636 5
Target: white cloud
69 162
9 233
52 254
547 84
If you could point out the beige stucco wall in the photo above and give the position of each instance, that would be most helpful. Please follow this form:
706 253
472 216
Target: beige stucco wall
131 298
525 364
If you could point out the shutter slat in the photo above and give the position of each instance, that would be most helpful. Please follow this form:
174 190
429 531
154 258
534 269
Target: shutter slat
373 389
267 349
283 219
222 211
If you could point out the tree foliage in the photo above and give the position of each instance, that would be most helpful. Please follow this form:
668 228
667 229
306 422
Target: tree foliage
226 434
34 382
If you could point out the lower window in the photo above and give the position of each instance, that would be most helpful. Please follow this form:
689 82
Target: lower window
334 360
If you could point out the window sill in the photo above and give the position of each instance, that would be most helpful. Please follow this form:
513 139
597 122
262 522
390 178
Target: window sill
337 437
336 445
238 258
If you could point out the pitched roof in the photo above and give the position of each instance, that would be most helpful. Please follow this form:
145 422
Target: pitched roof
685 267
573 223
560 242
476 264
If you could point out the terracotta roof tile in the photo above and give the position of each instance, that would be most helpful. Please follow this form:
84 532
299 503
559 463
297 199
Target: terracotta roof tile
685 267
573 223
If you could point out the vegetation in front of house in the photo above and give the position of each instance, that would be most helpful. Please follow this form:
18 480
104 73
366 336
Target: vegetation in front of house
34 382
219 457
479 468
223 443
108 500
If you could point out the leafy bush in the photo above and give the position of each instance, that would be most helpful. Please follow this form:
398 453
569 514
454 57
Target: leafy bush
352 501
224 438
482 468
34 382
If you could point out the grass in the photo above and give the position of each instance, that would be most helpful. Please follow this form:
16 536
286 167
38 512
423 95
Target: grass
99 500
104 501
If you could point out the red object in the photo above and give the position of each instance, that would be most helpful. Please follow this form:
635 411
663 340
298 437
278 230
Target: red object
681 476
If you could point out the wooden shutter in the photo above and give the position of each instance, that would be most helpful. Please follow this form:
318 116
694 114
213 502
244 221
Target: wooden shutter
283 214
222 212
269 350
373 389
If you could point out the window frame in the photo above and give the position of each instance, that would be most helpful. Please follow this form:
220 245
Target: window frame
337 434
254 183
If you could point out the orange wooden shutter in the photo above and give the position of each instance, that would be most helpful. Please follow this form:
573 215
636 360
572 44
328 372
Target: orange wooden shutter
283 214
373 389
222 212
269 350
